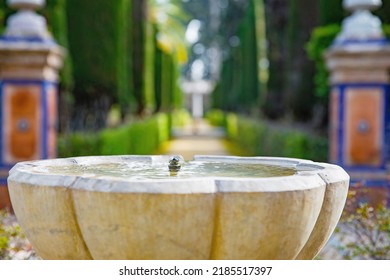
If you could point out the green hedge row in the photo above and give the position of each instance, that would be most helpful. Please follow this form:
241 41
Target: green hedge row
254 137
215 117
139 137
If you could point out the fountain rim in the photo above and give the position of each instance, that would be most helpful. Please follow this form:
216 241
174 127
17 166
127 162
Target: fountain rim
309 175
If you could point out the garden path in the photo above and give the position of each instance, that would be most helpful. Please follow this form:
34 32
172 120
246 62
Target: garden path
197 138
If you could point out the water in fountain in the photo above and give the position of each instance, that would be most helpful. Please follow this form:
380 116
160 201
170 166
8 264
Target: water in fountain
145 170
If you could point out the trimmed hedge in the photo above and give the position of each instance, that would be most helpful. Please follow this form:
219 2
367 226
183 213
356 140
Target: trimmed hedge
215 117
254 137
139 137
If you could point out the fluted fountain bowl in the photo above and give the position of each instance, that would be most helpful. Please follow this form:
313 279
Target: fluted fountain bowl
214 207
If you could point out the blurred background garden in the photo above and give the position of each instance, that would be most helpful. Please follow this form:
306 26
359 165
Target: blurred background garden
126 61
131 67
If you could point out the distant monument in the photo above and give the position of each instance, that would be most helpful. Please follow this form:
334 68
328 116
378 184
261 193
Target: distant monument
196 88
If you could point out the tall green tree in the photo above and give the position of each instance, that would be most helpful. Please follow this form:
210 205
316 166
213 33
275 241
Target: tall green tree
290 86
139 30
97 44
238 87
171 52
330 11
55 13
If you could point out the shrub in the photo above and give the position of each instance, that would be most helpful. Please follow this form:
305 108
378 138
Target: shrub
255 137
364 229
78 144
13 243
115 141
138 137
180 117
216 117
321 38
144 137
231 126
162 123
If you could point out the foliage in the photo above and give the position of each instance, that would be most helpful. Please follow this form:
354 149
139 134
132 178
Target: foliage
78 144
168 94
170 20
331 12
12 239
231 126
290 80
255 137
137 137
239 90
144 137
215 117
55 13
321 39
115 141
98 46
180 117
365 230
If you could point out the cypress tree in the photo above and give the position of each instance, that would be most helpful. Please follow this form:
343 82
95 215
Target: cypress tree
248 95
55 13
97 34
290 86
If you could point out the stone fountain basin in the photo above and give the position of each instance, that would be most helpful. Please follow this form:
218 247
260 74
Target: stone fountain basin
87 216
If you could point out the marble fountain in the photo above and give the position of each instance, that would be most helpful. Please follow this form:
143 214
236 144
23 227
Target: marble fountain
157 207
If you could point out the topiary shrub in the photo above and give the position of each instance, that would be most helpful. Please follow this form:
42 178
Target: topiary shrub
78 144
163 129
255 137
115 141
139 137
216 117
180 117
231 126
144 137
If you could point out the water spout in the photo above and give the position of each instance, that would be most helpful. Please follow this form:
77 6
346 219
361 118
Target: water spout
175 164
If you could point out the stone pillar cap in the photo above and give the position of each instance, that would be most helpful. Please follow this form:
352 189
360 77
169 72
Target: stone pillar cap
26 4
29 4
27 23
352 5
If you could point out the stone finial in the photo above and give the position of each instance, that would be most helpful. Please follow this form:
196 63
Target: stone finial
26 4
352 5
362 25
26 23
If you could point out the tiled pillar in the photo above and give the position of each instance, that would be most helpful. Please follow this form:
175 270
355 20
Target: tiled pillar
29 65
359 65
359 112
